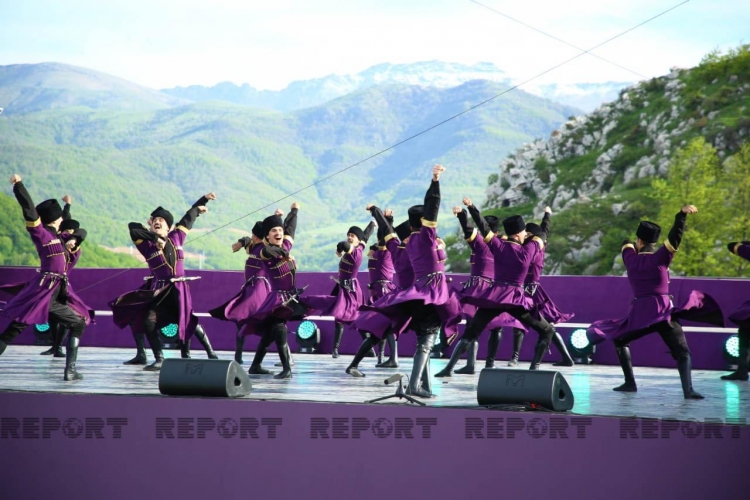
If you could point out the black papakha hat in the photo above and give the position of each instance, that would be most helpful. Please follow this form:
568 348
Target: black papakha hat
49 211
648 232
513 225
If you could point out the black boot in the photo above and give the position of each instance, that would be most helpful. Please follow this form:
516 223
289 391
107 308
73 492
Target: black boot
685 367
364 348
381 352
471 359
140 353
185 349
256 368
156 348
338 332
623 354
518 336
3 346
392 361
58 332
70 359
419 383
239 345
492 345
558 341
289 353
744 360
283 348
539 351
461 348
200 334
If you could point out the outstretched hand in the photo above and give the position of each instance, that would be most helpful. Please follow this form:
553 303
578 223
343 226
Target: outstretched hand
295 205
689 209
467 201
279 212
457 210
388 212
67 199
15 178
236 246
369 206
70 244
202 209
547 210
211 196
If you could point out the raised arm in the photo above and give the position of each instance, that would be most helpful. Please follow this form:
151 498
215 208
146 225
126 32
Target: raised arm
66 209
479 221
290 222
385 224
674 238
432 197
368 231
199 207
466 226
546 221
27 205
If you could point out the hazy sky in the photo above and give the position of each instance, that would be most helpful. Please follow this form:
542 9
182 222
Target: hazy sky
268 44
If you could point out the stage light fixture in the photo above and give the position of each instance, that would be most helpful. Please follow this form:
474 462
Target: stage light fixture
732 350
308 336
43 334
41 328
580 348
169 331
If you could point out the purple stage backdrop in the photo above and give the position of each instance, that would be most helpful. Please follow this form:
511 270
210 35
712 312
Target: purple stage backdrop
122 447
589 297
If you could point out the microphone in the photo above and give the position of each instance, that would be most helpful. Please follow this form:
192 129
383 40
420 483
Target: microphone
393 378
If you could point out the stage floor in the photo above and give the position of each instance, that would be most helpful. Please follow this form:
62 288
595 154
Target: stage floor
320 378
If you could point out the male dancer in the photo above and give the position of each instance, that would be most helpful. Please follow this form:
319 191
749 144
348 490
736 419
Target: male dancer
253 292
167 299
652 309
512 261
69 227
48 297
482 272
346 298
281 304
543 305
429 302
741 318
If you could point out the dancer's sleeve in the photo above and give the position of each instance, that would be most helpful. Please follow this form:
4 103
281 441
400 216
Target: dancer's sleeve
385 224
272 251
30 214
479 221
290 224
187 221
368 231
66 212
431 205
545 224
470 232
139 233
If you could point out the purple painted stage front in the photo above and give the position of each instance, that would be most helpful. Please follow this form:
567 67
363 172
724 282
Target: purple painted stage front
589 297
122 447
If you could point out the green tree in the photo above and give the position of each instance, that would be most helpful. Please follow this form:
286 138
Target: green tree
736 195
695 178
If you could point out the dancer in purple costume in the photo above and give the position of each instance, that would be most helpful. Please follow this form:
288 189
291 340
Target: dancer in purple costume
482 273
512 257
429 302
346 298
281 304
47 296
165 298
253 292
71 228
376 325
741 318
543 305
652 310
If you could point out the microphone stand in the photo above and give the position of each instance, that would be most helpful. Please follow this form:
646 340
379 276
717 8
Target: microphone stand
400 393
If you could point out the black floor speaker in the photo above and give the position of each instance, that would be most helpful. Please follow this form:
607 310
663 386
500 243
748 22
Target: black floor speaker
203 377
548 389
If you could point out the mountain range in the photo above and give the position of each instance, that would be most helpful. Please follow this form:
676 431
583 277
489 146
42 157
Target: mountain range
121 149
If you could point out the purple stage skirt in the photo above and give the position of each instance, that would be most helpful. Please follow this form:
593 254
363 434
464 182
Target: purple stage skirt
741 315
545 309
374 323
646 312
240 307
397 306
343 304
31 301
474 287
131 308
278 305
500 296
380 289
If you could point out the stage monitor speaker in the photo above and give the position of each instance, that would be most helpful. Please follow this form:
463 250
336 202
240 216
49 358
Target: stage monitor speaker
548 389
203 377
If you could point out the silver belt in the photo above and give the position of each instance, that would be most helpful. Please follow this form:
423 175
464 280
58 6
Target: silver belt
475 280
